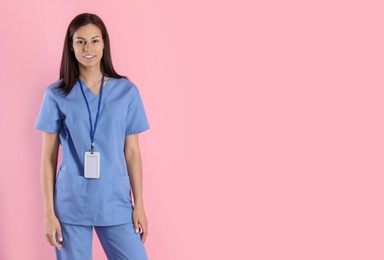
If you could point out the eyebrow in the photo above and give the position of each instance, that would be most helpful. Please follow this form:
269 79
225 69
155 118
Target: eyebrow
84 38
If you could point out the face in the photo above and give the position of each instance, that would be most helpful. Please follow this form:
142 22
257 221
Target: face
88 45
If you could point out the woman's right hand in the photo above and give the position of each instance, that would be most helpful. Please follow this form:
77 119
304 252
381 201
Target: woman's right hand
52 227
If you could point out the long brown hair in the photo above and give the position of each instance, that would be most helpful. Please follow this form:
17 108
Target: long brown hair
69 69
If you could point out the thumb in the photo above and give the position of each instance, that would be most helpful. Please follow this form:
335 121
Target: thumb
136 225
59 234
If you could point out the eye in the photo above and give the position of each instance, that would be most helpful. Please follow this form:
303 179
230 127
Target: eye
94 41
79 42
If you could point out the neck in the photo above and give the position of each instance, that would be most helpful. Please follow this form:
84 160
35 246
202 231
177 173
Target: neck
90 75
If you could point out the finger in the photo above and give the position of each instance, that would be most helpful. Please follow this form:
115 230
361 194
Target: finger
48 237
55 243
59 234
136 225
52 239
58 245
144 234
144 237
60 237
144 231
143 227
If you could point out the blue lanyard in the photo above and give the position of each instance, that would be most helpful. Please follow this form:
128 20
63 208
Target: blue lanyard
93 130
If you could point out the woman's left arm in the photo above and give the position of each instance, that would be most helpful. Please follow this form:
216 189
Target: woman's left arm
134 166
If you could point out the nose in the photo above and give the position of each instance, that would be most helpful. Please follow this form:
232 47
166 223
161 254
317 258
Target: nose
87 46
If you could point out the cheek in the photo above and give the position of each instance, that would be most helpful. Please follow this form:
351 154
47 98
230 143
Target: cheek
78 54
75 50
100 51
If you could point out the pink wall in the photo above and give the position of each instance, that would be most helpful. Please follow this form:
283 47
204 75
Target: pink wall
266 137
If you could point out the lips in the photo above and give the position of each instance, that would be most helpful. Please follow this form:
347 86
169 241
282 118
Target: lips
89 56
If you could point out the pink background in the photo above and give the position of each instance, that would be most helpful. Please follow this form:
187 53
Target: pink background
266 117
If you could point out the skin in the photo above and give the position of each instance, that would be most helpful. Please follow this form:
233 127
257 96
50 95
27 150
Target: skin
87 40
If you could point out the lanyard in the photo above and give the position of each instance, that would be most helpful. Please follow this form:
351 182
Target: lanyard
93 129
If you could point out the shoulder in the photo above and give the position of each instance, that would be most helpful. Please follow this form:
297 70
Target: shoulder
52 88
127 86
51 91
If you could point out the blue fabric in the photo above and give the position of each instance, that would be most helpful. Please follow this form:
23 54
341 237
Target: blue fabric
93 127
119 242
104 201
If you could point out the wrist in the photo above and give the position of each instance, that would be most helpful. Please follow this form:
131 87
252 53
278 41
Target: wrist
139 203
49 214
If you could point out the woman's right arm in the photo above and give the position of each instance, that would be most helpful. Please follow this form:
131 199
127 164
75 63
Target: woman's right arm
49 158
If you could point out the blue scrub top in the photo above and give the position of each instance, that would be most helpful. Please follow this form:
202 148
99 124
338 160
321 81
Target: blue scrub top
105 201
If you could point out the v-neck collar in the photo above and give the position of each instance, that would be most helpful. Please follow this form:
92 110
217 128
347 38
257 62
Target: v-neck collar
91 94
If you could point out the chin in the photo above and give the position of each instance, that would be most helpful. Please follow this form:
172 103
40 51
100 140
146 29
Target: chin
89 65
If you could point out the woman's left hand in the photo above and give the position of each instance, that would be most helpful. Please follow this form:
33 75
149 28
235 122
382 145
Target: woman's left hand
139 218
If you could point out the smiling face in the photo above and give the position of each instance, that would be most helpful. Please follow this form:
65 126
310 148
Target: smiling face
88 45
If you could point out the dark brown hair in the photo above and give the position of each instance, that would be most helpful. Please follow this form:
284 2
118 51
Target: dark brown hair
69 69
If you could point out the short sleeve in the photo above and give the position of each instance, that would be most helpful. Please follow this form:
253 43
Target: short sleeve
50 118
136 120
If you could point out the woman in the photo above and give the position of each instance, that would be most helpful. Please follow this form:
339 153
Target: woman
96 115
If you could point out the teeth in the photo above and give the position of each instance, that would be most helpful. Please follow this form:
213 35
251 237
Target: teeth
88 57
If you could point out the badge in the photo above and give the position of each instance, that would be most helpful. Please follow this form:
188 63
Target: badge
92 165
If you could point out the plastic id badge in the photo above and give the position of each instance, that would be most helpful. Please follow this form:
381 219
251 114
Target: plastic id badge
92 165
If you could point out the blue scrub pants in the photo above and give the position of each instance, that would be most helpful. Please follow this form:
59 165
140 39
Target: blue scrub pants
120 242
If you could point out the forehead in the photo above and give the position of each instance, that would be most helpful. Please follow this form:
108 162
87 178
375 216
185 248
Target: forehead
87 31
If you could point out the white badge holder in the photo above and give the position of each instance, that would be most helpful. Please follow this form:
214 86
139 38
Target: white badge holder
92 165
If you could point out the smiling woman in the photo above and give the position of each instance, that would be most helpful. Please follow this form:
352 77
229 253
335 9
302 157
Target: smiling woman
86 46
98 171
88 50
